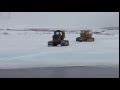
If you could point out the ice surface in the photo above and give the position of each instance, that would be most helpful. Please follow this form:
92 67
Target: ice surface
25 49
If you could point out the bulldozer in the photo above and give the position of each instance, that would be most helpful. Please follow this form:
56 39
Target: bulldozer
85 36
58 39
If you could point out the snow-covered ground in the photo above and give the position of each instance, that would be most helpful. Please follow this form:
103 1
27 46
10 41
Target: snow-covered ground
26 49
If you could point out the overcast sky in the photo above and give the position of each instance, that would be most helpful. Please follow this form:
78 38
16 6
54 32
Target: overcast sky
60 19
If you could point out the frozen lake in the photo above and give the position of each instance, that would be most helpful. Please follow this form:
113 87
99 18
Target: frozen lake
29 49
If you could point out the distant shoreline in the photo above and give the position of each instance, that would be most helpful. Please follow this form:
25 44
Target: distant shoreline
67 66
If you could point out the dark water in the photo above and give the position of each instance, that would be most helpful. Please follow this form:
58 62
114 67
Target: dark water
62 72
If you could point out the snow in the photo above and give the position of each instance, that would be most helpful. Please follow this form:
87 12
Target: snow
26 49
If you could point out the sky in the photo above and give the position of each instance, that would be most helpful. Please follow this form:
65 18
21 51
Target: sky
59 20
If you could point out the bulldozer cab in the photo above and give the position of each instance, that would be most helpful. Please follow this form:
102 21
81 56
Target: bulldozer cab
86 33
59 33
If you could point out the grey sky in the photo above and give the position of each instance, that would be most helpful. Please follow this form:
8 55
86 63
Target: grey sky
60 19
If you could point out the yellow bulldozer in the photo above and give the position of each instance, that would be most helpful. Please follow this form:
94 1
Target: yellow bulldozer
85 36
